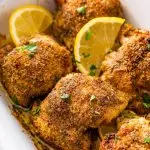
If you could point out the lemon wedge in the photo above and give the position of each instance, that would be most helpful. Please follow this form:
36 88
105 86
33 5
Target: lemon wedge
93 41
28 21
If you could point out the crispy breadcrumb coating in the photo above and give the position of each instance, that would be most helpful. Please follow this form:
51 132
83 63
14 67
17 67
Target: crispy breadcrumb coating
27 74
77 103
69 21
132 135
130 65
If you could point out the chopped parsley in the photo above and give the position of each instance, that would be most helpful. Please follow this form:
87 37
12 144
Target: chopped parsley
65 97
147 140
93 67
92 70
81 10
15 103
88 35
86 55
93 97
15 100
30 47
36 110
116 138
146 100
148 46
92 73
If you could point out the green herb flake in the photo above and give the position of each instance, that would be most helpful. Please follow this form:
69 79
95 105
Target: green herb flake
146 100
147 140
31 47
86 55
93 97
15 104
116 138
31 55
81 10
65 97
148 46
92 73
36 110
93 67
15 100
92 70
88 35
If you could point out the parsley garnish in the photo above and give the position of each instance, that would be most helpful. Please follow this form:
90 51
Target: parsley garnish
88 35
36 110
30 47
65 97
92 67
147 140
92 70
15 103
15 100
116 138
146 100
148 46
86 55
93 97
81 10
92 73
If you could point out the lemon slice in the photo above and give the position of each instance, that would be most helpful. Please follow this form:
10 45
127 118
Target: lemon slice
93 41
28 21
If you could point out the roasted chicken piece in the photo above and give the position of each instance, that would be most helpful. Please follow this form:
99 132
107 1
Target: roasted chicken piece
133 134
128 69
6 47
74 14
32 70
77 103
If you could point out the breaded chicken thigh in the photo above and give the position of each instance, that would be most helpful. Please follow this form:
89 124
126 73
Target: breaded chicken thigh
133 134
128 69
33 70
77 103
74 14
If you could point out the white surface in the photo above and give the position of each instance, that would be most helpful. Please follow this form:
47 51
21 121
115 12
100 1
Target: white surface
137 12
11 135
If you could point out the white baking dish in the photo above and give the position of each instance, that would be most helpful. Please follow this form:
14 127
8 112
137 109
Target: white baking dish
12 136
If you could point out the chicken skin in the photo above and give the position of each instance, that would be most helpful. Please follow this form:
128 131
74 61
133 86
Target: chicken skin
33 70
133 134
77 103
74 14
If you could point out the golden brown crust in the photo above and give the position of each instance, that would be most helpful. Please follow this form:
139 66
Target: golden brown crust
64 123
130 65
68 21
25 77
131 136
